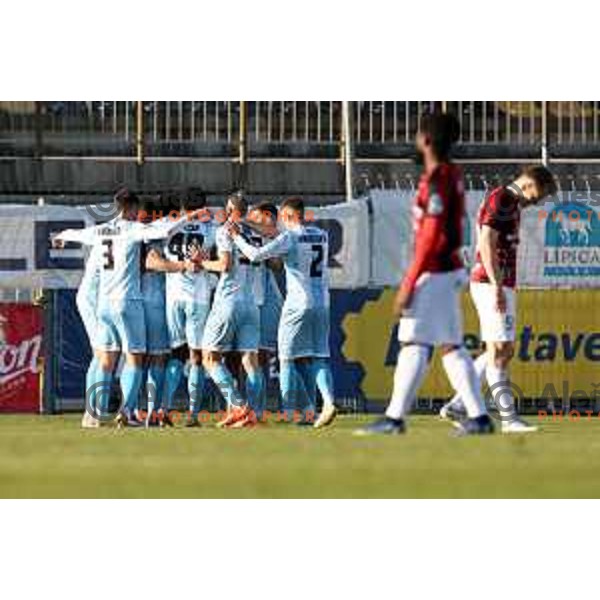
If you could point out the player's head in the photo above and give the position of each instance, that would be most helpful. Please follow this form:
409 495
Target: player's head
193 198
168 202
148 206
437 135
236 206
292 212
265 215
534 184
128 204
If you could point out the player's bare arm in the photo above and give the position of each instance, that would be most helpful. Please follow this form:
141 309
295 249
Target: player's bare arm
276 248
221 265
232 229
56 243
156 262
401 301
275 264
198 255
488 248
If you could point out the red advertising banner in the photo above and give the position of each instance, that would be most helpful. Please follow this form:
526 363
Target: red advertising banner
21 327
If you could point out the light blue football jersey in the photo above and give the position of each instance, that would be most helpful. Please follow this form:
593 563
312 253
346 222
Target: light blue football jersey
90 282
121 261
239 284
272 293
119 247
190 287
262 280
305 251
153 282
87 294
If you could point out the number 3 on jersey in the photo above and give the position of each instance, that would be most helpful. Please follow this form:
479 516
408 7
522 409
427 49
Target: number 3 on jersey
316 266
108 255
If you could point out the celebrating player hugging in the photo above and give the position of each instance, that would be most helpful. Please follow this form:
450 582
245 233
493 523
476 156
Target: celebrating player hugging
169 296
146 296
115 267
303 336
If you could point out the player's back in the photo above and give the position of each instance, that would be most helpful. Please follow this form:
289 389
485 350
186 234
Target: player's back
501 211
120 260
307 273
153 282
194 287
239 284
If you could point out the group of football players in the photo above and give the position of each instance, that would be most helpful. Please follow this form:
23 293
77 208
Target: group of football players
161 291
167 284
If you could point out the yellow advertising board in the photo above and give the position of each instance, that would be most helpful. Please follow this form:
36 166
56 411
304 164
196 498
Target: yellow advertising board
557 346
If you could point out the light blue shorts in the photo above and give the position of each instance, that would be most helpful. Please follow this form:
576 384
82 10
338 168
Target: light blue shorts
232 327
186 321
121 326
157 333
88 313
270 313
304 333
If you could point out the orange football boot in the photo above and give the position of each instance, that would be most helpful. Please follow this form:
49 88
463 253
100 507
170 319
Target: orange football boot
237 413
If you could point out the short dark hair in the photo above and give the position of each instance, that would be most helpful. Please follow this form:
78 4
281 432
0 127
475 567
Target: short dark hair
268 207
239 202
171 201
296 204
193 198
147 203
543 178
125 199
147 206
444 131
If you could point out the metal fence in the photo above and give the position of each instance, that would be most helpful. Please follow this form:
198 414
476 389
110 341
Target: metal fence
153 129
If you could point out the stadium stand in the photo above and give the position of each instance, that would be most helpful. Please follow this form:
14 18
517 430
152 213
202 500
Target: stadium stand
78 150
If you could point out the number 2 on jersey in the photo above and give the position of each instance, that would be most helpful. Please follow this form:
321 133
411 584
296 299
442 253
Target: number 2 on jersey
316 266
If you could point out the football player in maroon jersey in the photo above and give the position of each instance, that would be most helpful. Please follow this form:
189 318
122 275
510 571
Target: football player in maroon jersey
428 301
493 281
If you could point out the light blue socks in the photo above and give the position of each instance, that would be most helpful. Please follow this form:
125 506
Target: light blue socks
101 391
293 389
255 391
155 381
90 380
324 380
306 371
131 384
174 373
223 379
195 388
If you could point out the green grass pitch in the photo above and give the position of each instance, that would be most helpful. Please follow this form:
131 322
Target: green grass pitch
52 457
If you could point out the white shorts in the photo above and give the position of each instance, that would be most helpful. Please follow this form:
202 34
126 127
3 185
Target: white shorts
494 326
434 316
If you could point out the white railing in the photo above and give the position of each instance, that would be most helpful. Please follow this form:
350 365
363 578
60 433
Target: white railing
152 129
